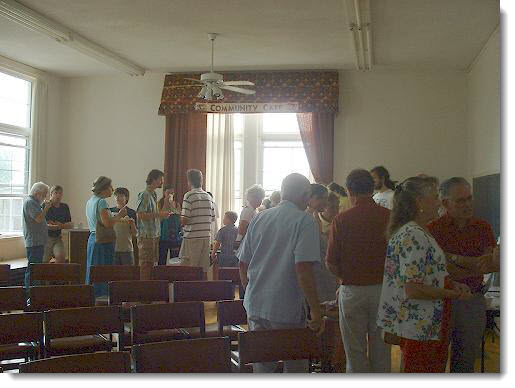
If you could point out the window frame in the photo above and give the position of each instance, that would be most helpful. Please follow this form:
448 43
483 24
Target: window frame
27 134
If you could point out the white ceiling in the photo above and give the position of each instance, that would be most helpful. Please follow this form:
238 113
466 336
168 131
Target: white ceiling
170 35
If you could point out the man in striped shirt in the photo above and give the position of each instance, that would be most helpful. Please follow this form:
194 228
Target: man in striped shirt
197 215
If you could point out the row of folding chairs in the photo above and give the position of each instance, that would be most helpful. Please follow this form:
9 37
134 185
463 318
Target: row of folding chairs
204 355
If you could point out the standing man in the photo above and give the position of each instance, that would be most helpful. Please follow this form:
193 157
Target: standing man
276 258
356 255
458 232
58 218
149 224
383 186
35 229
197 216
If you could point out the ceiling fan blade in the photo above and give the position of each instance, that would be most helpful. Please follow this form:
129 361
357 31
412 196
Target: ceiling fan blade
238 83
196 80
238 90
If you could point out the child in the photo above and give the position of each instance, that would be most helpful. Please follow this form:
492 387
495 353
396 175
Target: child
171 230
225 238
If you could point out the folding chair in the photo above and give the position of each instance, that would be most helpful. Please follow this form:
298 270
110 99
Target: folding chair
173 273
21 336
55 272
44 298
81 330
203 291
99 362
277 345
165 322
233 274
12 299
109 273
129 293
5 269
202 355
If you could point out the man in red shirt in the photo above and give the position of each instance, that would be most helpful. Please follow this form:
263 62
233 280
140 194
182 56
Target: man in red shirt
458 232
356 255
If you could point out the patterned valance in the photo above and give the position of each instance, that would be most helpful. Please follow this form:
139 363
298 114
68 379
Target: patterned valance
313 91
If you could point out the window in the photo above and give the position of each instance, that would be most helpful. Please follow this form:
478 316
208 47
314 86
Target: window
267 148
15 129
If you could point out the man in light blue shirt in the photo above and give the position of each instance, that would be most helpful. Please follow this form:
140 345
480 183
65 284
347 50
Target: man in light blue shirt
276 267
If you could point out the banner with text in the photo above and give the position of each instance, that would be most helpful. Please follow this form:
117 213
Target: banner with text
224 107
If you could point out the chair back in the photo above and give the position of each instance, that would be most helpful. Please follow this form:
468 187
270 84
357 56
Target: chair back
229 273
277 345
12 299
60 297
206 290
109 273
138 291
148 317
55 272
21 327
82 321
173 273
230 312
98 362
203 355
5 269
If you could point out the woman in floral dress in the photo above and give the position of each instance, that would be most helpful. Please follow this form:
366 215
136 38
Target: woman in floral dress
415 285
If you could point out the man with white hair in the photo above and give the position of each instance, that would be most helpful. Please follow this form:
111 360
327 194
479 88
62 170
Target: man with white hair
35 229
276 258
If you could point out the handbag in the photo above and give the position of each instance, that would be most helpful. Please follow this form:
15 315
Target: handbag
103 234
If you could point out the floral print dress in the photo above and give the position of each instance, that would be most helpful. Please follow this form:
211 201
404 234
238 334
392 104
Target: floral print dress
414 256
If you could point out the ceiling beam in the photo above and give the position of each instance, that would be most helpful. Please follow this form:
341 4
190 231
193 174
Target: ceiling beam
30 19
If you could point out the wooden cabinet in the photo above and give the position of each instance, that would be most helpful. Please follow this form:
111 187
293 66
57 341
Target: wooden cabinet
78 248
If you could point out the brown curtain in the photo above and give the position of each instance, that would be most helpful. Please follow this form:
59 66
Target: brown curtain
317 132
185 148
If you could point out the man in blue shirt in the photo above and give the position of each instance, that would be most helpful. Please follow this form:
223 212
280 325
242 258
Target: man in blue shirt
276 267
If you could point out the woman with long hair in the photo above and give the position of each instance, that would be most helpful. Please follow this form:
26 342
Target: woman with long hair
414 306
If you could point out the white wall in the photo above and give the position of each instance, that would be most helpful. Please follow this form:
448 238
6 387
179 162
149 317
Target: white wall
484 110
410 122
110 128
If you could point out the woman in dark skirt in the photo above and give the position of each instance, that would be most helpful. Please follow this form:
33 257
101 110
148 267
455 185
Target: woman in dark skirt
97 211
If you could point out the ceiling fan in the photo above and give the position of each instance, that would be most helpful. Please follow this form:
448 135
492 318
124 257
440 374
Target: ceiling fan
212 83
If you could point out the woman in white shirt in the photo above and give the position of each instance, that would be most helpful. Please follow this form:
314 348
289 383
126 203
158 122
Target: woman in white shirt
384 187
254 196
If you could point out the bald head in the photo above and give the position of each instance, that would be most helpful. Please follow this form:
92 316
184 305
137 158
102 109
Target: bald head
296 188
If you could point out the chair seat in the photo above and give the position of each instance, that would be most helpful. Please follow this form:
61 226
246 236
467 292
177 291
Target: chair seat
212 331
80 344
162 335
21 350
102 301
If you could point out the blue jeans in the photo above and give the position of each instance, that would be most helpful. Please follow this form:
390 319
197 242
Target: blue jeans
34 256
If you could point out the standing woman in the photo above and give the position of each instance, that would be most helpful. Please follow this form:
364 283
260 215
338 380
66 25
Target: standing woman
254 196
100 221
171 229
414 306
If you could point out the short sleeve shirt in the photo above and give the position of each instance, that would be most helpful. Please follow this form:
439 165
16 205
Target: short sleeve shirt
60 214
247 214
34 233
147 203
276 240
198 207
93 208
414 256
384 199
227 237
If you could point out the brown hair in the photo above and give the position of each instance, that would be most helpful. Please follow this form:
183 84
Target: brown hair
335 187
405 201
153 175
100 184
56 188
122 191
360 182
233 216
